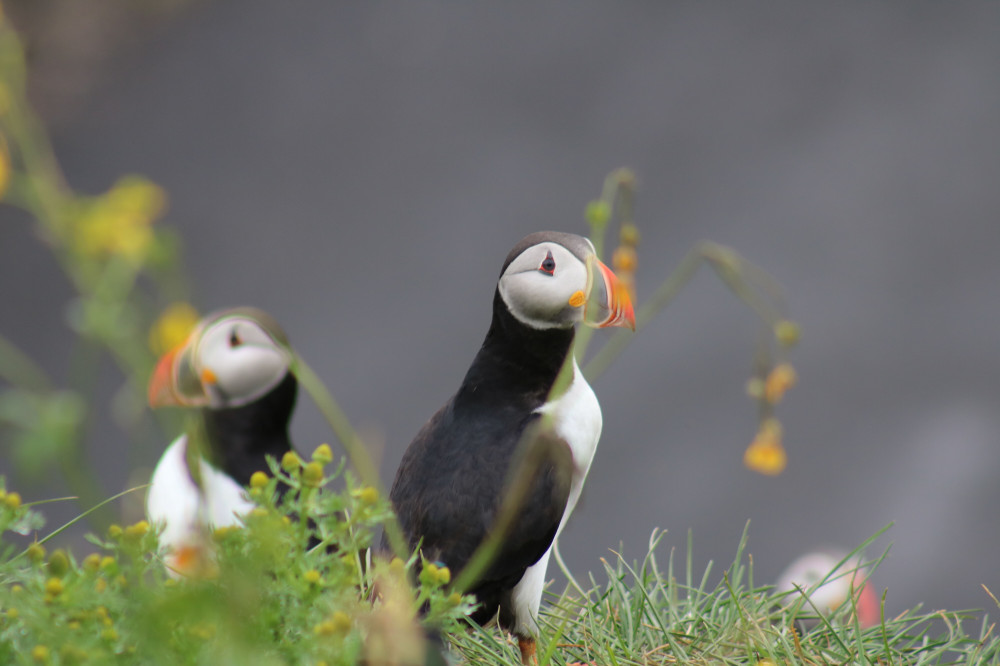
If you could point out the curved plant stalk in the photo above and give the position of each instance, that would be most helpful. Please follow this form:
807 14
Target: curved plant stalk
748 282
349 438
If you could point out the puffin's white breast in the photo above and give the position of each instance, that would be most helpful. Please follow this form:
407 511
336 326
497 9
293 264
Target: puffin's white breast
184 509
577 419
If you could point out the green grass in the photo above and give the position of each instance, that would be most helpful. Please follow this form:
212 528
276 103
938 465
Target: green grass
266 597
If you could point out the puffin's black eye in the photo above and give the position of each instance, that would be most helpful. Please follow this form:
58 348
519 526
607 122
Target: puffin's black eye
549 265
234 339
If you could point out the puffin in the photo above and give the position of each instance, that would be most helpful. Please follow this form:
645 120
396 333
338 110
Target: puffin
807 571
453 477
234 368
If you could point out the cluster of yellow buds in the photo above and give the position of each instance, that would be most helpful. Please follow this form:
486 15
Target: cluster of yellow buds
625 259
773 387
339 622
766 453
432 574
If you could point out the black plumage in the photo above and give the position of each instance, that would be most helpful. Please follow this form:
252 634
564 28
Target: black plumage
239 439
451 481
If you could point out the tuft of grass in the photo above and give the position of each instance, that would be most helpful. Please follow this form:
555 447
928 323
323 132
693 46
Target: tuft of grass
641 612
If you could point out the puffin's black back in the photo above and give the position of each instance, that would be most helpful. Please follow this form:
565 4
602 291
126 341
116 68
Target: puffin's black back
240 438
451 480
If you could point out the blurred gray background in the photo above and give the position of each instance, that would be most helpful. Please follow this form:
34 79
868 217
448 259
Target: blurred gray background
360 170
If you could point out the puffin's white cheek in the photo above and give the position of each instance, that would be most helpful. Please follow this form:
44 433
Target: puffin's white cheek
249 375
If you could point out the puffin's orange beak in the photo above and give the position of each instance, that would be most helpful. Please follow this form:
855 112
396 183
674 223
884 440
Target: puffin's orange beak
161 385
612 303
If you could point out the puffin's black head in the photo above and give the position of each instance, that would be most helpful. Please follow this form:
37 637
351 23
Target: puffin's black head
554 280
231 359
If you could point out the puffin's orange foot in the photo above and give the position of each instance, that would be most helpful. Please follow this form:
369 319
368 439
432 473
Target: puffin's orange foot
527 647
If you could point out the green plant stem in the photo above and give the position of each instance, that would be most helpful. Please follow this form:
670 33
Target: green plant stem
353 445
726 264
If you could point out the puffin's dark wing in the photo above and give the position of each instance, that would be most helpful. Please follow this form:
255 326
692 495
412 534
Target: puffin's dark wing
448 492
534 501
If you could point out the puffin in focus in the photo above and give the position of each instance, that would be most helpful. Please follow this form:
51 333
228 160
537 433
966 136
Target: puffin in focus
234 368
452 479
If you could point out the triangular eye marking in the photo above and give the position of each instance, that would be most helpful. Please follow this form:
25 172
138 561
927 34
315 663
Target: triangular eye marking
549 265
234 339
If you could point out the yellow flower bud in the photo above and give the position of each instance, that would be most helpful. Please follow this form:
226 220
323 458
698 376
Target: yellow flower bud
12 613
598 214
312 577
115 531
36 552
312 474
137 531
323 455
787 332
454 598
54 586
108 564
258 480
40 653
12 500
766 454
324 628
341 621
629 234
444 576
429 574
624 259
367 495
781 378
290 462
92 562
397 565
58 563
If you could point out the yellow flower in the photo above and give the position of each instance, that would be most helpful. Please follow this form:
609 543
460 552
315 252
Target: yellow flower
781 379
172 327
312 577
766 454
119 221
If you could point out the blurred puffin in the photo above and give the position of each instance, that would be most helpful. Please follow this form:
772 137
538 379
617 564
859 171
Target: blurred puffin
234 367
452 478
808 570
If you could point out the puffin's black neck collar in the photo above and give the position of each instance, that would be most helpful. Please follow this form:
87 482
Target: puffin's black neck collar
516 358
239 438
